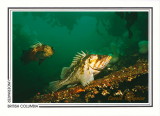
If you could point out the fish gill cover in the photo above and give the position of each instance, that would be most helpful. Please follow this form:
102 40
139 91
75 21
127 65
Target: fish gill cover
122 35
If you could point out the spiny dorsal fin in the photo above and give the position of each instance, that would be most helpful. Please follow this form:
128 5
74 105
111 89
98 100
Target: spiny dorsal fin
78 57
37 44
64 70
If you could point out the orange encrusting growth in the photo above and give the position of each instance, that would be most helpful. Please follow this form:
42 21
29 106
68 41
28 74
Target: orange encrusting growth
103 86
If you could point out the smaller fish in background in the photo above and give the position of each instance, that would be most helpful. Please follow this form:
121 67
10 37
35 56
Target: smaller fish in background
38 52
82 70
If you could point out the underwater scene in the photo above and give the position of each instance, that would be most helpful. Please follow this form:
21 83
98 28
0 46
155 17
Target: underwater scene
80 57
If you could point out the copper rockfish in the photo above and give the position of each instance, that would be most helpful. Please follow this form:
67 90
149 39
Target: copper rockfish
82 70
37 52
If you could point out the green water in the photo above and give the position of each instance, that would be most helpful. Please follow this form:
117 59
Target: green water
68 33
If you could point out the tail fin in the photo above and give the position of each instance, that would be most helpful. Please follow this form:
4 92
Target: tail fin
55 85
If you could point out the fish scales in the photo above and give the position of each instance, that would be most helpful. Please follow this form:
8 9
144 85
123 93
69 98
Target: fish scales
78 68
82 70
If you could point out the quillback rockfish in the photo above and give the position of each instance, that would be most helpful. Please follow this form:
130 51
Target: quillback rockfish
82 70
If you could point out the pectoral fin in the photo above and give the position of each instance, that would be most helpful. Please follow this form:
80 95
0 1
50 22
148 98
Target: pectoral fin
64 71
86 79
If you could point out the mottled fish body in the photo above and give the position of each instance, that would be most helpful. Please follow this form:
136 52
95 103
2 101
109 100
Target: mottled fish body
38 52
82 70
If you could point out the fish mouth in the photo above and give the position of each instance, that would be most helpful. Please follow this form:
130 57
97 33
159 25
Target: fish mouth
99 69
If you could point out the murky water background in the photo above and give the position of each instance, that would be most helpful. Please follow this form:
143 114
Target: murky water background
122 34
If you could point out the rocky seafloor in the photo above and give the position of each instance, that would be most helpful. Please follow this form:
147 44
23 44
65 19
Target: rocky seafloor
127 85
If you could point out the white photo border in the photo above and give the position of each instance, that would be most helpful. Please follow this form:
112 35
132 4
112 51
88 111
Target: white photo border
79 9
